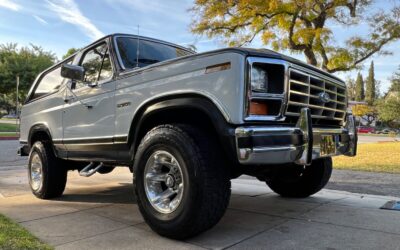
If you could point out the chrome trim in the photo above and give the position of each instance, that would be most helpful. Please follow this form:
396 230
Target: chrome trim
163 182
303 92
272 155
285 95
301 154
268 96
304 124
350 125
35 171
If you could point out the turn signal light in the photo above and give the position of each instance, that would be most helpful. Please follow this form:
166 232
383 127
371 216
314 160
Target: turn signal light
258 108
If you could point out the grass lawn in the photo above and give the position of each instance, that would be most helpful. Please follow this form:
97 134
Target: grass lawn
373 157
13 236
5 127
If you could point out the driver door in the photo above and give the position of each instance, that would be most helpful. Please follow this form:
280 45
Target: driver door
89 110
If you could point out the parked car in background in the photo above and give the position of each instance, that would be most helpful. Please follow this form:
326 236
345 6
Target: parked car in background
366 130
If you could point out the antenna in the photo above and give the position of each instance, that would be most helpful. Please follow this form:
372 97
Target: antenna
137 48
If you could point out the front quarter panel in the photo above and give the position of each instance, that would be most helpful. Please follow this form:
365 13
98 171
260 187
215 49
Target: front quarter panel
224 88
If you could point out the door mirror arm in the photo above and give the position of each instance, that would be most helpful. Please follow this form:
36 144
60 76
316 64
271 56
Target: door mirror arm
76 98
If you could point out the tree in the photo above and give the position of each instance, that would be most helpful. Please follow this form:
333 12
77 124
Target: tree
7 102
70 52
365 112
25 62
359 88
370 85
300 26
395 79
389 109
351 89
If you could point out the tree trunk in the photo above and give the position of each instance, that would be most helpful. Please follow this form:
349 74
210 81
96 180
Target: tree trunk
310 56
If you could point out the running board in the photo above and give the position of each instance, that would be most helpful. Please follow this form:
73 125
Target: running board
90 169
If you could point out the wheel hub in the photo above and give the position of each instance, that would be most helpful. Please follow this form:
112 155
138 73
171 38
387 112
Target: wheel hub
170 181
163 181
36 171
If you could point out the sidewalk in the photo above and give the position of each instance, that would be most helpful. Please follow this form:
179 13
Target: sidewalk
100 213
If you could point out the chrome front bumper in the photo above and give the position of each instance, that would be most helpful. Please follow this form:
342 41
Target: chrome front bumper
257 145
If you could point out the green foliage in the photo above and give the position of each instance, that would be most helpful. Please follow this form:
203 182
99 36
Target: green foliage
7 102
395 79
359 96
13 236
389 108
25 62
70 52
371 85
300 26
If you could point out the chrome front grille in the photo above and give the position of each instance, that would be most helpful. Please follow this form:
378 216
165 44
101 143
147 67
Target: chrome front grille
306 89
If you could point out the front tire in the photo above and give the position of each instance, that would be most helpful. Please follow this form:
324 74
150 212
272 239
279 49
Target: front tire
47 174
181 183
301 181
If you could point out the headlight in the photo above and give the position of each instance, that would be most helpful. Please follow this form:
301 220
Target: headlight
259 79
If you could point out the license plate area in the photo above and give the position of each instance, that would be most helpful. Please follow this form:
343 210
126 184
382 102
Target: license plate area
327 145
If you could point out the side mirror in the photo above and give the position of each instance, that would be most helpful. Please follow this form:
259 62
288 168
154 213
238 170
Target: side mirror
73 72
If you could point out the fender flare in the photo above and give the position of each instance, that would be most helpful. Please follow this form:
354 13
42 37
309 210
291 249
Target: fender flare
40 127
198 102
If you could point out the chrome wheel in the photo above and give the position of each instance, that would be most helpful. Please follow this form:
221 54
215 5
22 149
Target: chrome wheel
163 182
36 172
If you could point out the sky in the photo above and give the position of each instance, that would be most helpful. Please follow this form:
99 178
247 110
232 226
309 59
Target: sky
57 25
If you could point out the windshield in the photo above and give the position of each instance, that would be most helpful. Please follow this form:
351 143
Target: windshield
149 52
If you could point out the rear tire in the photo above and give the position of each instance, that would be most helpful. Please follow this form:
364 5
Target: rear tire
203 184
47 174
301 181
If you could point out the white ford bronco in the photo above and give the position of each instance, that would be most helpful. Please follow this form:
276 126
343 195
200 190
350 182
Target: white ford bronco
185 124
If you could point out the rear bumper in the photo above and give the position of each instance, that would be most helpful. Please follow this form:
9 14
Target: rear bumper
257 145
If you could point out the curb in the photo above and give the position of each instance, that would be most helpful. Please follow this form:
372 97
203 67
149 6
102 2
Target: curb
8 138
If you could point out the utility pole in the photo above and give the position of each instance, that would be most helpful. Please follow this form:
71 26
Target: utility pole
16 109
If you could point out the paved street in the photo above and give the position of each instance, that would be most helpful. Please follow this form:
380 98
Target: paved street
100 212
8 121
376 138
8 154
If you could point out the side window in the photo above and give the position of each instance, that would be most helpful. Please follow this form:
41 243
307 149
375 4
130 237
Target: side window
49 83
97 65
149 52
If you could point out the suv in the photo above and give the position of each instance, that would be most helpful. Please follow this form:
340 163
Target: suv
185 124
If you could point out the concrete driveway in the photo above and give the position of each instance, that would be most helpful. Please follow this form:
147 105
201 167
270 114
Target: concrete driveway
100 213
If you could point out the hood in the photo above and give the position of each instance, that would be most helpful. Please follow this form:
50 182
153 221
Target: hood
272 54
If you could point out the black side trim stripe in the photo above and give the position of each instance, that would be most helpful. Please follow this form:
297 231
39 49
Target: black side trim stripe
106 140
121 139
